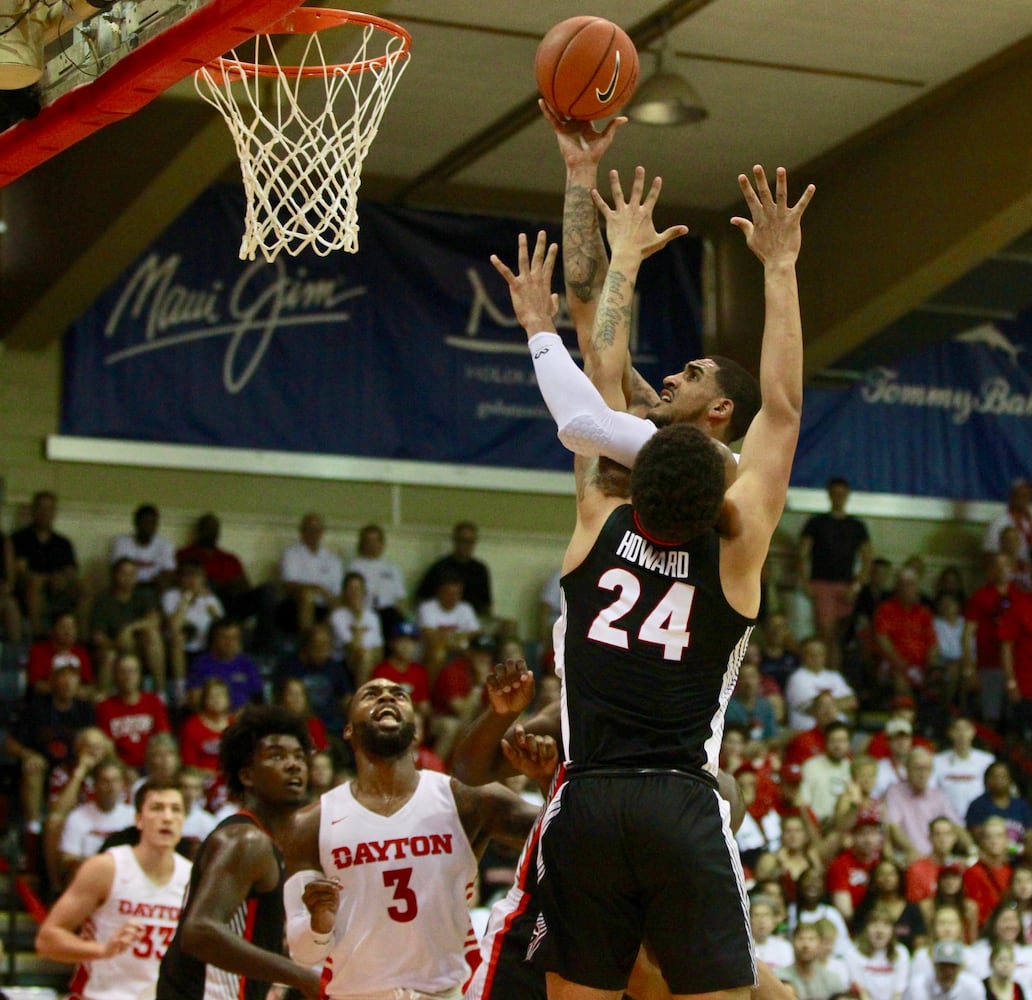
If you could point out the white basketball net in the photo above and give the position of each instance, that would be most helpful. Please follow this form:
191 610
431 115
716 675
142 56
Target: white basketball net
302 169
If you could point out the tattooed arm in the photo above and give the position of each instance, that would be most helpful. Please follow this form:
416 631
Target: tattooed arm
584 252
633 237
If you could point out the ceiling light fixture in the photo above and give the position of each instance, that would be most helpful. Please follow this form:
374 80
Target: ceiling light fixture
666 98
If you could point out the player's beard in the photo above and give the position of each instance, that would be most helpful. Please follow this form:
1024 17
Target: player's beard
663 415
662 418
380 743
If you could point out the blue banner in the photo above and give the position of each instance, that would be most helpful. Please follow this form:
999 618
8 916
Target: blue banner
953 421
406 350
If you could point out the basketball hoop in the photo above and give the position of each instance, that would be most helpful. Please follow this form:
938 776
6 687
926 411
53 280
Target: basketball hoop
300 155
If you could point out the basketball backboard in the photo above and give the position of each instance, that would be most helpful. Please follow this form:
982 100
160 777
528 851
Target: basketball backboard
96 67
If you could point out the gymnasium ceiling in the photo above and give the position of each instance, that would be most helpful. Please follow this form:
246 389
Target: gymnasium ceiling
914 118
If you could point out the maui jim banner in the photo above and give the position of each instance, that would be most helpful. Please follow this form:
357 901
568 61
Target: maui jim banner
954 421
407 350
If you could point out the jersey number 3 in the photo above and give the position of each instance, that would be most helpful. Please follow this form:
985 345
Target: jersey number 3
399 878
665 625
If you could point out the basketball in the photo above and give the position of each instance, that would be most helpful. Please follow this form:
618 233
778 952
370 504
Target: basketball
586 68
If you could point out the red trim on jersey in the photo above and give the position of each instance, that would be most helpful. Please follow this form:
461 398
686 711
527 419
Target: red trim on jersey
651 538
249 921
492 962
528 853
257 822
326 975
78 982
81 975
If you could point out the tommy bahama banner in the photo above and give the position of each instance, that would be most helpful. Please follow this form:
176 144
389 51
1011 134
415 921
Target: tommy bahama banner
952 421
406 350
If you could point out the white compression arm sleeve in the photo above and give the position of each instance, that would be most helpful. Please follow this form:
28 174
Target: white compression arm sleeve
305 946
587 426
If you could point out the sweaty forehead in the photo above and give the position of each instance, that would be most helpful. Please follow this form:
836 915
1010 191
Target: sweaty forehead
380 684
703 364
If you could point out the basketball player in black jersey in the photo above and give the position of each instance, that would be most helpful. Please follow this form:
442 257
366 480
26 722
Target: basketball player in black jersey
657 612
496 746
715 394
229 944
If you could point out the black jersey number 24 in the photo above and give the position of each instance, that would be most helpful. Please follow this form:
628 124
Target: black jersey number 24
665 625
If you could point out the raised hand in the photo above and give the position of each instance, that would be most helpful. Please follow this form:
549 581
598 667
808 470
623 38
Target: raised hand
629 224
510 687
321 898
578 141
533 300
535 756
774 233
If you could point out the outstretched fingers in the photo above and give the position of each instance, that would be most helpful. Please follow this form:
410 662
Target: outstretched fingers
759 199
671 233
544 255
551 117
762 187
781 187
637 185
502 268
804 199
522 257
539 248
543 259
751 198
611 128
653 196
617 188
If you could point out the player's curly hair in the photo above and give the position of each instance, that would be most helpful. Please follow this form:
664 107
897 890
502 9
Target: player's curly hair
742 388
241 738
677 484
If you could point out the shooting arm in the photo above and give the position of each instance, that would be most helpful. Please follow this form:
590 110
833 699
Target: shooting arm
584 251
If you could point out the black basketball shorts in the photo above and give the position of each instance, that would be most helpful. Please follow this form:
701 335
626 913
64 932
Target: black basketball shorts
642 857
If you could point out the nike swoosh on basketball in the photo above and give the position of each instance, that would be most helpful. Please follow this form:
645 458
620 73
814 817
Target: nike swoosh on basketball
605 96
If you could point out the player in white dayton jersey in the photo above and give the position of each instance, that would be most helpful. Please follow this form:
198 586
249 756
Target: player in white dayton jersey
381 869
120 912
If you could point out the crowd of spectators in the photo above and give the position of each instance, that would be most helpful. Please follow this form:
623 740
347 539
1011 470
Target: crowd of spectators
883 756
178 641
884 761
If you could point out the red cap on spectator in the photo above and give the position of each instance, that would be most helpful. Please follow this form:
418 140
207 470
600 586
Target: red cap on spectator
792 773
